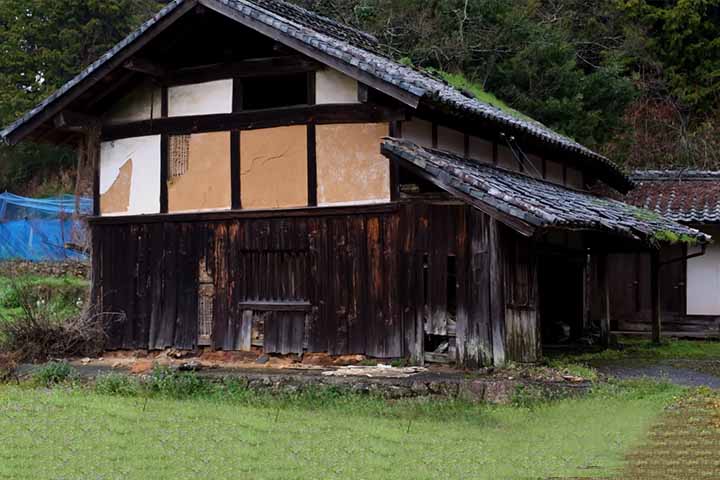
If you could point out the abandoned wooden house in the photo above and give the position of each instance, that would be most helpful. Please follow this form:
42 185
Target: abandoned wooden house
689 280
266 177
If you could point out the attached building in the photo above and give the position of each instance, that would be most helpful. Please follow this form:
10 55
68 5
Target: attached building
266 177
689 281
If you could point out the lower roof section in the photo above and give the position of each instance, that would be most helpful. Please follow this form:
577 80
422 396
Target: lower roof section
530 205
688 196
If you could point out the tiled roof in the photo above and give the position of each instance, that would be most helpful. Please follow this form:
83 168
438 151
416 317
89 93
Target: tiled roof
688 196
358 50
537 203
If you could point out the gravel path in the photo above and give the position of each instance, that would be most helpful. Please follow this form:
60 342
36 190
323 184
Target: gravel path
685 373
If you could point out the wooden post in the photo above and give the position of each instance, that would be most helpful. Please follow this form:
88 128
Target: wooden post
655 296
602 268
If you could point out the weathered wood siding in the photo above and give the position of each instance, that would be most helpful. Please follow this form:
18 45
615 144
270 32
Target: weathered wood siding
372 283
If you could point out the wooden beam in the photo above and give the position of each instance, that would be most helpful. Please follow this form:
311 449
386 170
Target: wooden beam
246 214
254 119
164 152
604 285
656 317
311 165
146 67
75 121
251 68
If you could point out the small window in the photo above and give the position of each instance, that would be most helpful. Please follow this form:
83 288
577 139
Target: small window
274 92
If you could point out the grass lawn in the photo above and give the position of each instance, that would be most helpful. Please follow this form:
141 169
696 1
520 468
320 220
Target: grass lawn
77 433
635 348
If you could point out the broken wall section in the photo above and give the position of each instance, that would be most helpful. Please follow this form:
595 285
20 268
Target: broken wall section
130 176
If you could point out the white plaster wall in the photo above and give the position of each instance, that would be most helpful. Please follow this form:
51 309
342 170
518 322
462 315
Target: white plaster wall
145 182
200 98
451 141
332 86
481 150
144 103
418 131
703 280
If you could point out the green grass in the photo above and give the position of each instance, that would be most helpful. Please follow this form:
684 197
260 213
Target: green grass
633 348
460 81
59 296
78 433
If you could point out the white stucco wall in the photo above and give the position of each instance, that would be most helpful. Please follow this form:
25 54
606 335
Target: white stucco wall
703 279
332 86
145 181
200 98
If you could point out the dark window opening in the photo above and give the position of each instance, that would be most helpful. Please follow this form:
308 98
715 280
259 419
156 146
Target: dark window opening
275 92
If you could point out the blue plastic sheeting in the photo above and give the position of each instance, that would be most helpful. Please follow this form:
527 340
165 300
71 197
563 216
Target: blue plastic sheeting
40 229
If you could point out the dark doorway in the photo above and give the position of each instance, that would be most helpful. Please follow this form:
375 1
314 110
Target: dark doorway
561 281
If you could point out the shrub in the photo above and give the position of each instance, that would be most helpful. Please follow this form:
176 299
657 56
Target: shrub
37 333
8 367
172 383
117 384
53 373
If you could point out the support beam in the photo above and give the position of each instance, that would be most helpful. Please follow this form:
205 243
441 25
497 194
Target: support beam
604 284
146 67
251 68
75 121
656 318
248 120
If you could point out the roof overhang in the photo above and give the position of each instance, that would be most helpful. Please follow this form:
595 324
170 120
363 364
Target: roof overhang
531 206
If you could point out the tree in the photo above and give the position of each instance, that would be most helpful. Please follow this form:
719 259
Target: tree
44 43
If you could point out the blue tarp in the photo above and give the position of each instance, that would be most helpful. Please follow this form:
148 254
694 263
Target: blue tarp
40 229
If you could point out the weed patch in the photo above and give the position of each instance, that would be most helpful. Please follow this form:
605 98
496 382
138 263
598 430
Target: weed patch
53 373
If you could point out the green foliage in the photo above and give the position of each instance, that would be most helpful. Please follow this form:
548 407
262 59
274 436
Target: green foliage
668 236
53 373
44 43
172 383
683 39
117 384
58 297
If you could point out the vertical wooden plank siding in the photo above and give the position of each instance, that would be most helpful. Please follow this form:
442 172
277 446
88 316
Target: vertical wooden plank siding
364 283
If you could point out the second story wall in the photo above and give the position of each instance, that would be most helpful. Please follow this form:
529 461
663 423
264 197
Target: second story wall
290 165
428 134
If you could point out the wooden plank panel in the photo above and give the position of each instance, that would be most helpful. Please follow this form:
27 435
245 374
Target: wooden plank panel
392 331
376 319
166 332
156 264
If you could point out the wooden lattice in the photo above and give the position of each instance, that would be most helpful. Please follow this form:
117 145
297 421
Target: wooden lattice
178 155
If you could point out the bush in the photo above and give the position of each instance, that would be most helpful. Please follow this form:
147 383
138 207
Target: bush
37 333
53 373
117 384
168 382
